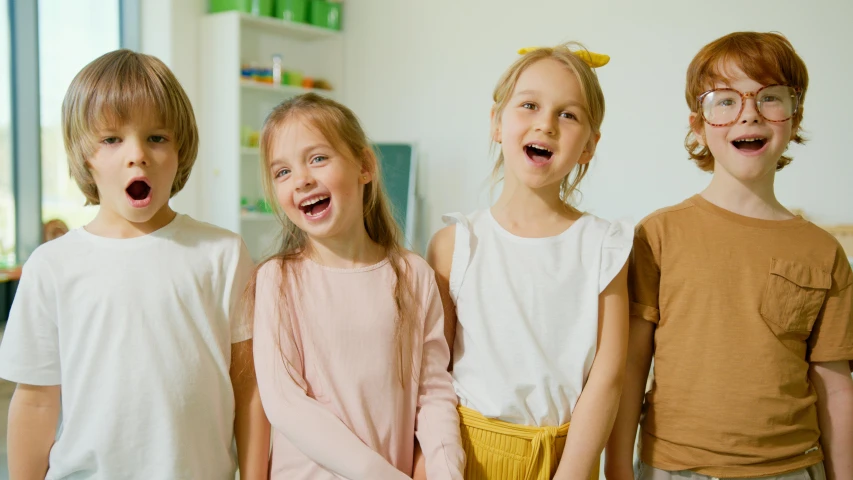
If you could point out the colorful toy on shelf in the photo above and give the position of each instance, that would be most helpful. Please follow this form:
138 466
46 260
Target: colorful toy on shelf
278 75
276 69
294 78
321 84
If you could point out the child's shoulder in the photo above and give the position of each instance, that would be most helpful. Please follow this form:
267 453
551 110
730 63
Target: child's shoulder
207 233
419 267
70 245
672 213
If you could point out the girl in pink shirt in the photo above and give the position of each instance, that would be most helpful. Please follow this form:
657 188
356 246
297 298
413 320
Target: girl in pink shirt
349 346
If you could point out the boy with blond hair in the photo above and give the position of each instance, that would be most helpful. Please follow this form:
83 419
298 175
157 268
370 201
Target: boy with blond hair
745 306
128 326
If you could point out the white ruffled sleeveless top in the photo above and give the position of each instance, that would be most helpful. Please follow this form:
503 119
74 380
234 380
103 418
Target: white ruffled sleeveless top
527 312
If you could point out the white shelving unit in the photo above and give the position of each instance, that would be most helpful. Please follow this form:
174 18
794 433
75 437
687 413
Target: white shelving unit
230 170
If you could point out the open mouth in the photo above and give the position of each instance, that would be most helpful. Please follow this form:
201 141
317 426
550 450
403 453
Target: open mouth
750 144
139 192
315 206
538 153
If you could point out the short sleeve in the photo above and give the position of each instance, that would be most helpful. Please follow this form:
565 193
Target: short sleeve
462 251
615 248
644 277
832 336
29 352
240 321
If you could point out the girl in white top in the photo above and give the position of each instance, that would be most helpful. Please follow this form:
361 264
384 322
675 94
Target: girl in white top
535 291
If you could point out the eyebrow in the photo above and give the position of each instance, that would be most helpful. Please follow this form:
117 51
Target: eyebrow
533 92
313 147
316 146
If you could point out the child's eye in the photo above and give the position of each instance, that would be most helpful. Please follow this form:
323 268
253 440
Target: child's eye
158 139
769 98
110 140
726 102
569 115
281 173
318 159
528 106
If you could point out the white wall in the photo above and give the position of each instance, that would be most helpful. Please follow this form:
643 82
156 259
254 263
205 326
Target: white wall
424 72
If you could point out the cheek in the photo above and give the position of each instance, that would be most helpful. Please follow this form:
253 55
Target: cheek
284 196
513 124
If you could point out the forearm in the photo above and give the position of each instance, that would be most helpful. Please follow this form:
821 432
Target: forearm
620 446
835 416
32 430
252 433
592 420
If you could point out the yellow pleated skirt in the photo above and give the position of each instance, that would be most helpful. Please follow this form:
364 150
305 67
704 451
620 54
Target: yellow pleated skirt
497 450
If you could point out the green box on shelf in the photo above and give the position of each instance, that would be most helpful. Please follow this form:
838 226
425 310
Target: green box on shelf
291 10
325 14
255 7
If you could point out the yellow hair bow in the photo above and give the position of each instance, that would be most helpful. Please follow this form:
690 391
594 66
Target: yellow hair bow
594 60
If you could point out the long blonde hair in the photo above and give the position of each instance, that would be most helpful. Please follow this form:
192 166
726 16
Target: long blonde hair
341 128
590 88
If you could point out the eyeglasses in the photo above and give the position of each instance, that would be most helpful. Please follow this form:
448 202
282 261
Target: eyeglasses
723 106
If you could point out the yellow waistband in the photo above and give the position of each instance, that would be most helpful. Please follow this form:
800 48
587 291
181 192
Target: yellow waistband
542 439
473 418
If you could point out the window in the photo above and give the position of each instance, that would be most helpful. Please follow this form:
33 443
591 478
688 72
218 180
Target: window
7 177
71 34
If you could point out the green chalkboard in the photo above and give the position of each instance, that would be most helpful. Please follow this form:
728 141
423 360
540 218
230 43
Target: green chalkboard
397 161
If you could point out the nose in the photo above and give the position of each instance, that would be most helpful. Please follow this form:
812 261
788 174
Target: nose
750 110
135 153
545 123
303 178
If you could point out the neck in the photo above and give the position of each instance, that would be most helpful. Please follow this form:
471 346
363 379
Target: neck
751 199
354 249
110 224
520 204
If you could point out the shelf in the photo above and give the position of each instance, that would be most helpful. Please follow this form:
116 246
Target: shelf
257 217
284 90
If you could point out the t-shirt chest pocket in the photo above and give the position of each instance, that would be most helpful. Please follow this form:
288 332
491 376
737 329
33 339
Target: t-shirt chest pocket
794 295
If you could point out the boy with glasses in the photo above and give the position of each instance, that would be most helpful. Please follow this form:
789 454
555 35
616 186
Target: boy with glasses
745 306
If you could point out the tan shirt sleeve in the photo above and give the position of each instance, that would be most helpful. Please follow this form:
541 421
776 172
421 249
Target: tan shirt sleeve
644 276
832 336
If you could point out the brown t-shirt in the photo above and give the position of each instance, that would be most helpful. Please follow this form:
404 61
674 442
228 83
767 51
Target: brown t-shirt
742 306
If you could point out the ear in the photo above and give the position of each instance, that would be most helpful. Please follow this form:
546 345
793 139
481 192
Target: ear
795 126
368 166
589 151
698 133
496 126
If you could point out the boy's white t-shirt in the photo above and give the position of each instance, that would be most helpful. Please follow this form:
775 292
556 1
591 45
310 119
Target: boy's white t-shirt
138 333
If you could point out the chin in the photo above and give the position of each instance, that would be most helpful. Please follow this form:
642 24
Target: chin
749 175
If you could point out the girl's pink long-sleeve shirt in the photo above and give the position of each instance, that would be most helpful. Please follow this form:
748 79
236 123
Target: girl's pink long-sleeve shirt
327 361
